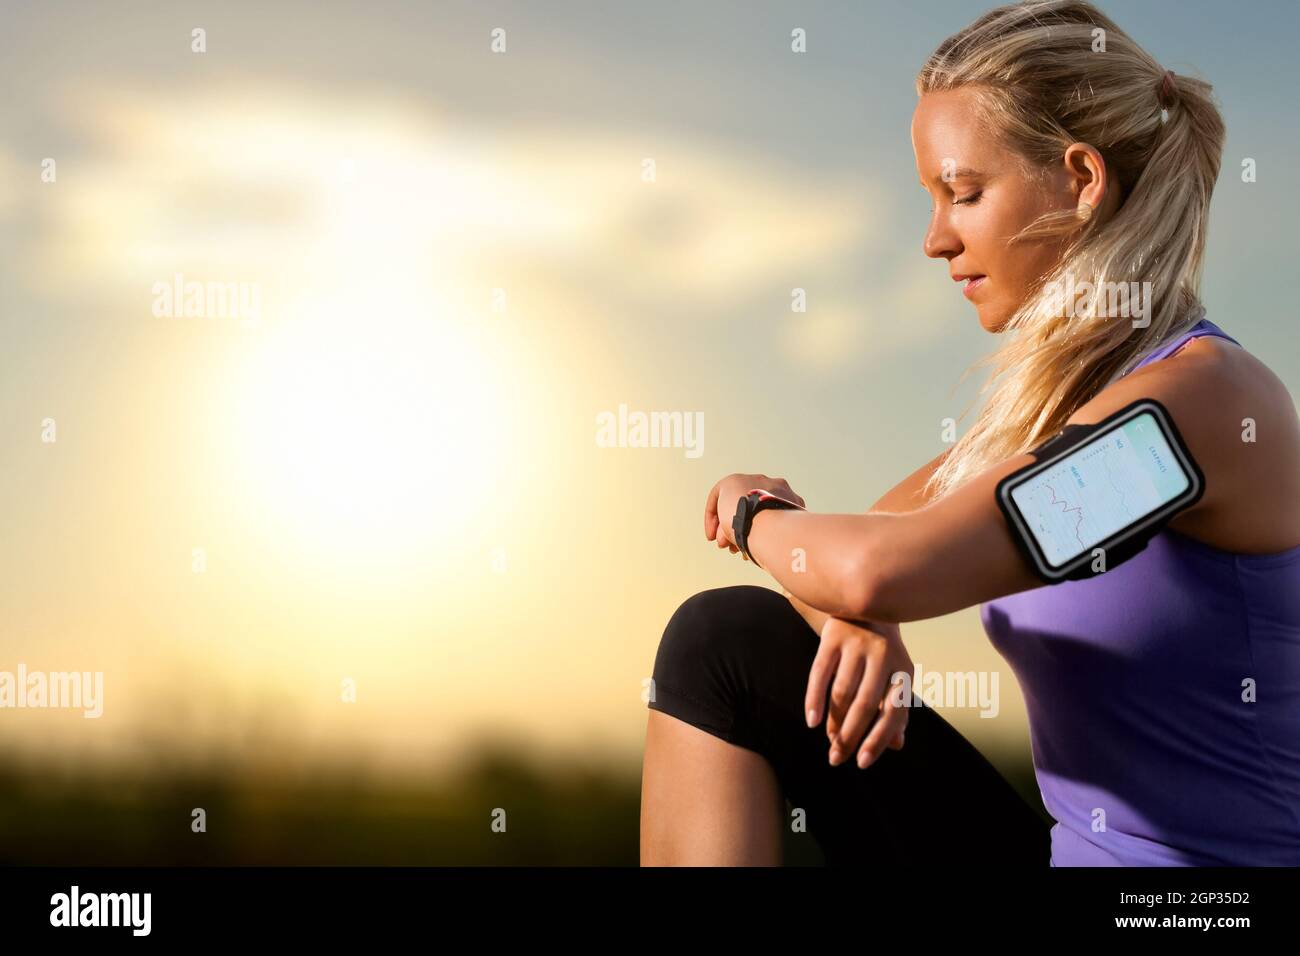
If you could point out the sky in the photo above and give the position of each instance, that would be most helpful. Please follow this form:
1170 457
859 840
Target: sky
379 468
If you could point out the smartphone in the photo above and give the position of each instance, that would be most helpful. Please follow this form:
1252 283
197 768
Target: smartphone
1110 485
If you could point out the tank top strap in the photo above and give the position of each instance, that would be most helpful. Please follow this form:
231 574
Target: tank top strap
1203 327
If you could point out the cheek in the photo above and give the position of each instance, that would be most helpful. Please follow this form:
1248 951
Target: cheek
985 233
995 237
1028 265
1016 268
1022 265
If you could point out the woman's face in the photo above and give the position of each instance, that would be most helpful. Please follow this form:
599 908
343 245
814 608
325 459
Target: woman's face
984 199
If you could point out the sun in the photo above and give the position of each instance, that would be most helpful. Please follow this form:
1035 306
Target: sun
372 432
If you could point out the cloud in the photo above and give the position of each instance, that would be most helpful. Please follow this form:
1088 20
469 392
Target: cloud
279 185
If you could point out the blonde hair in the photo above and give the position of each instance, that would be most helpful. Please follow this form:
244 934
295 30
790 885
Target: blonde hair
1045 74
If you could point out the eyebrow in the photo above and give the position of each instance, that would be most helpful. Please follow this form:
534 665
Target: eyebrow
961 172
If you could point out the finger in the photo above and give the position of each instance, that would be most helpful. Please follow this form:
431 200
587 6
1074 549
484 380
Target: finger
898 699
789 494
886 729
890 724
866 705
711 512
844 688
898 741
819 677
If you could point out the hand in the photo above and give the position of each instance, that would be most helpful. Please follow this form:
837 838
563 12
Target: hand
720 507
862 657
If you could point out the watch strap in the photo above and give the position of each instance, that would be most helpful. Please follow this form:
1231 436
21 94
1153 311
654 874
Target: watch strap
754 501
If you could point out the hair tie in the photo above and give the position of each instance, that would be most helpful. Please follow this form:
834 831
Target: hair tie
1166 94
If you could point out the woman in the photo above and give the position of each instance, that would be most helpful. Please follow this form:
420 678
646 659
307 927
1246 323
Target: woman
1163 694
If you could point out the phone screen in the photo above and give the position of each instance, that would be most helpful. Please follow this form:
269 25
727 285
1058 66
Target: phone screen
1104 486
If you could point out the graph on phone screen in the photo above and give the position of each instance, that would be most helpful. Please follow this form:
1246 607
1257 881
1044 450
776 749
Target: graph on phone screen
1100 488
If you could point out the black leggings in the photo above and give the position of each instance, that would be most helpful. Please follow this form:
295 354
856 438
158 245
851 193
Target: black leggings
734 662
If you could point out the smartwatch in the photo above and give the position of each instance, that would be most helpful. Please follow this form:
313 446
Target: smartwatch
756 500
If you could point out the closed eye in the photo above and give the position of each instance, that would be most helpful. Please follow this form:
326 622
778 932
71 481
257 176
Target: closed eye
969 200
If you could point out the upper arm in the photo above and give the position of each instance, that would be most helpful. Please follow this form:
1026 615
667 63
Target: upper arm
958 551
1239 424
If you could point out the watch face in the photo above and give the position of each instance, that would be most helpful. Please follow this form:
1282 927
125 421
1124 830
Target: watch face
758 499
738 521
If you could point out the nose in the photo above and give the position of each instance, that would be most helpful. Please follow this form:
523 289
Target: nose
940 241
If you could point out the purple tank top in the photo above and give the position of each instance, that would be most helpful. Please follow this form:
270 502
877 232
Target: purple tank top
1145 748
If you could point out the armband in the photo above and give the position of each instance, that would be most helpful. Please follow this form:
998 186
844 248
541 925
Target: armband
1097 494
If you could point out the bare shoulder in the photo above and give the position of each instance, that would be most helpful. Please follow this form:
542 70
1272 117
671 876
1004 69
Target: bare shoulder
1240 424
907 494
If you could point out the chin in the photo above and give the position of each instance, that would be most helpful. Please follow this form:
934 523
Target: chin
991 321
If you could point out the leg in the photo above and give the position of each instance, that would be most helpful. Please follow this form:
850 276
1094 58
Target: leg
734 664
706 802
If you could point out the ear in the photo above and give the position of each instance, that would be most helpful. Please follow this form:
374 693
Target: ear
1088 178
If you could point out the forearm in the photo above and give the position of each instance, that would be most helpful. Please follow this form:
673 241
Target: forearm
821 559
816 619
906 496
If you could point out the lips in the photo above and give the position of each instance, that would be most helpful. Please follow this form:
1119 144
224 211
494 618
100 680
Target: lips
973 282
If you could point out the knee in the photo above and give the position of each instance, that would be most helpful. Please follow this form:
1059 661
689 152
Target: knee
713 629
705 617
